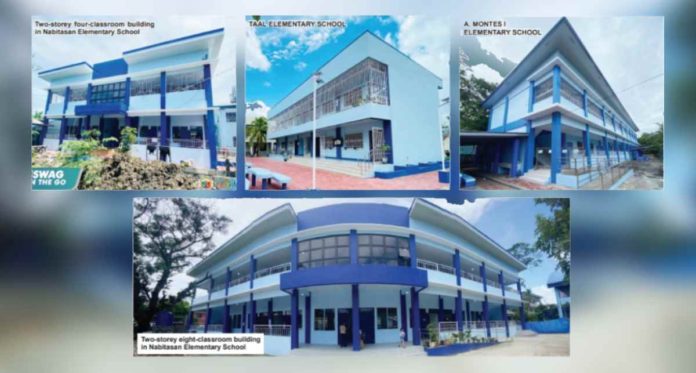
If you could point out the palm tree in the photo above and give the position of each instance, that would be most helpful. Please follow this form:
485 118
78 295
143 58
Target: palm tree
257 133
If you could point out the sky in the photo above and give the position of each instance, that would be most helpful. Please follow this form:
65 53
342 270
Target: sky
280 59
50 51
491 215
628 51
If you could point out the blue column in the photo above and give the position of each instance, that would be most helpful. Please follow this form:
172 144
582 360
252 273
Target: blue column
252 271
485 316
294 255
531 146
440 309
211 133
226 318
458 310
308 319
530 102
127 92
353 246
415 315
294 320
584 101
555 145
208 315
402 304
616 148
252 312
505 113
66 100
606 146
270 311
457 266
482 272
63 128
604 123
388 140
515 157
338 148
412 250
522 316
468 314
503 309
496 159
228 278
189 321
244 318
164 133
501 281
556 84
588 151
355 312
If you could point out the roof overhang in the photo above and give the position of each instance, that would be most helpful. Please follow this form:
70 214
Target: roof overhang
426 211
276 218
564 39
76 69
208 40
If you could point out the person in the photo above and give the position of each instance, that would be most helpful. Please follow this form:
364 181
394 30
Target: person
342 335
402 337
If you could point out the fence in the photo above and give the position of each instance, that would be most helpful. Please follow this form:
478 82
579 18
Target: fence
276 330
602 173
473 329
285 267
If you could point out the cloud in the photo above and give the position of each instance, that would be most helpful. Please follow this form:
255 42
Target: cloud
300 66
255 110
484 72
267 84
547 295
255 59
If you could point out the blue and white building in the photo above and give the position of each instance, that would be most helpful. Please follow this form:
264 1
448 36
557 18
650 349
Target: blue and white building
374 104
373 268
164 90
561 289
555 111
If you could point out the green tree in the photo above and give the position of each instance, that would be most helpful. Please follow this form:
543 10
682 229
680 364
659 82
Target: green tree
257 133
472 92
167 235
128 137
526 253
652 142
38 115
553 231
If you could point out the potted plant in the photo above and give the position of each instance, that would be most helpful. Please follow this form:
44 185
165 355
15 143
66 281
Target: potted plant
433 334
385 150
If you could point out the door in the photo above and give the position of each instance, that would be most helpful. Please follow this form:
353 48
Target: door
111 130
344 318
377 144
367 325
317 146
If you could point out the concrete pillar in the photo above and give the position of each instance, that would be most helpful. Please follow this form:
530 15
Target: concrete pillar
458 310
308 319
355 313
415 315
555 145
515 157
294 320
588 151
404 314
531 138
556 84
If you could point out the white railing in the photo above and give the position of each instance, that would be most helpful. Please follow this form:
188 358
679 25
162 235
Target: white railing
447 326
472 277
285 267
426 264
239 280
277 330
214 328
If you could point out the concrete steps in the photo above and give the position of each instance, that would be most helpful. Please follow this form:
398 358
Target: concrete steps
537 176
351 168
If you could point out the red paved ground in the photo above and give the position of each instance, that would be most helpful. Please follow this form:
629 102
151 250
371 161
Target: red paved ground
302 178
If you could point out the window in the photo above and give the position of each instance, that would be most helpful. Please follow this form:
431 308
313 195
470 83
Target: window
236 321
145 87
149 131
72 128
57 98
78 94
366 82
231 117
325 251
593 109
543 90
329 142
354 141
53 131
571 94
187 136
380 249
188 81
108 93
324 319
386 318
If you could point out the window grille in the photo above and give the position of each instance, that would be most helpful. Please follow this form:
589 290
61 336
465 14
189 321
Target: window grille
145 87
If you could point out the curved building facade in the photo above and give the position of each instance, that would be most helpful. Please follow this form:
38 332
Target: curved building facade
370 270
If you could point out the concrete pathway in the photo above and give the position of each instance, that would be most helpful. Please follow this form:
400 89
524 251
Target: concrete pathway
326 180
536 345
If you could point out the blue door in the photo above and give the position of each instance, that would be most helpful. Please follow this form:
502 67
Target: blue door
367 325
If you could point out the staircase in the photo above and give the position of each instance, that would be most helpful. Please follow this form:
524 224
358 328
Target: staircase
538 175
351 168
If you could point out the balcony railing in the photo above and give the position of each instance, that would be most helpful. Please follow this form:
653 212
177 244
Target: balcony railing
426 264
285 267
239 280
214 328
277 330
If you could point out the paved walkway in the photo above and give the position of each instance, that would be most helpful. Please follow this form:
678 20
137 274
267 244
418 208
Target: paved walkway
388 350
500 182
535 345
326 180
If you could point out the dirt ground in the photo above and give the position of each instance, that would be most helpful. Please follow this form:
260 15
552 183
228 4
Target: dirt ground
647 175
535 345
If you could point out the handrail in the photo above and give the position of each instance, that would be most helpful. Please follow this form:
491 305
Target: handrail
270 329
280 268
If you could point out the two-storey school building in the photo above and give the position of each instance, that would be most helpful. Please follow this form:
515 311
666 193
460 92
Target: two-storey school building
554 111
371 269
374 104
164 90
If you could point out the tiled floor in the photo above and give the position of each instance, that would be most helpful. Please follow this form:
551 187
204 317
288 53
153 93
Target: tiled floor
302 179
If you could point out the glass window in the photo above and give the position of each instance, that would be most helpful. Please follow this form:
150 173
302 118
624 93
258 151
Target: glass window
108 93
571 94
188 81
145 87
324 319
386 318
382 249
78 94
187 136
354 141
543 90
324 251
231 117
593 109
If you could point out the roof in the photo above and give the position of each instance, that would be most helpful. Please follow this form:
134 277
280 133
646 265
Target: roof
561 37
67 70
492 135
177 40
